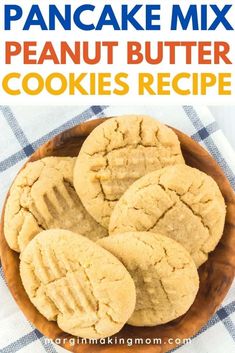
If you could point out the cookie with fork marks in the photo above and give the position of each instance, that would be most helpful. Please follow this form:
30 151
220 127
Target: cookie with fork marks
180 202
116 154
165 276
77 283
43 197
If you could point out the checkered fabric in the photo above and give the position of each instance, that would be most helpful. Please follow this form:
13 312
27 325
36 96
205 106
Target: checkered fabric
24 129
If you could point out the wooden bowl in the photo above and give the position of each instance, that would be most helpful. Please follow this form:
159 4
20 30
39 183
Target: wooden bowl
216 275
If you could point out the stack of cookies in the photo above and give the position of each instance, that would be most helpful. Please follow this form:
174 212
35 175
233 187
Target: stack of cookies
115 235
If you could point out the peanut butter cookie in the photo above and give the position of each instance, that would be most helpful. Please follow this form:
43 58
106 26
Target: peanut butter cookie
115 154
43 197
165 275
77 283
180 202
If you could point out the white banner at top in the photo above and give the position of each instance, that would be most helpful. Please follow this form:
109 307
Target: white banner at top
105 52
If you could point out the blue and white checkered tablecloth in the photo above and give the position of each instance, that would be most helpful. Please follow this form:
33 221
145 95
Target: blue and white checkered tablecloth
24 129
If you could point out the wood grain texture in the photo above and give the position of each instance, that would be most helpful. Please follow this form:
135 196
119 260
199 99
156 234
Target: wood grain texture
216 275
